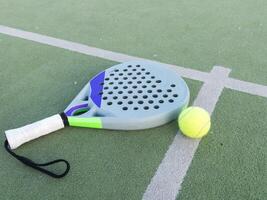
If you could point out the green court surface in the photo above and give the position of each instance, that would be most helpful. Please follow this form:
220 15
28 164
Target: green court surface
38 80
231 162
187 33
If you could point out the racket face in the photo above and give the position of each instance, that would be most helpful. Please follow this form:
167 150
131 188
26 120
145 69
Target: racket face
131 95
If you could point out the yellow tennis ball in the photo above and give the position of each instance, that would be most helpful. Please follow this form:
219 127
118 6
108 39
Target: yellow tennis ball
194 122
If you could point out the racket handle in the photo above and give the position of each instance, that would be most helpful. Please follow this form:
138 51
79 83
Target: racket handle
19 136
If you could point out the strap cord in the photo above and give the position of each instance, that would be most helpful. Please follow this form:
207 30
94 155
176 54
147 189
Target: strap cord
38 166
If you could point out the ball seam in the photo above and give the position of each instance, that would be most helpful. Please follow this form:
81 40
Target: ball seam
203 128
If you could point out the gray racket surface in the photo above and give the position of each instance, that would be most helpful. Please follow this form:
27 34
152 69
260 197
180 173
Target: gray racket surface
128 96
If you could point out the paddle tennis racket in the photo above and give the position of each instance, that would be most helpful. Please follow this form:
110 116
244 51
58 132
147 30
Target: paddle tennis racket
128 96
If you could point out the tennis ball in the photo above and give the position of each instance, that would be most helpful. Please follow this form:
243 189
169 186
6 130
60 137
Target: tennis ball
194 122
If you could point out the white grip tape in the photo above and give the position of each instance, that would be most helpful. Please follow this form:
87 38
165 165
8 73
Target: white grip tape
19 136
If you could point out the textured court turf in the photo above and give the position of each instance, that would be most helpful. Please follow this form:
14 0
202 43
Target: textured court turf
231 162
197 34
37 81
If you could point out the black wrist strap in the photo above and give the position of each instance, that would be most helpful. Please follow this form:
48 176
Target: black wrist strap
39 166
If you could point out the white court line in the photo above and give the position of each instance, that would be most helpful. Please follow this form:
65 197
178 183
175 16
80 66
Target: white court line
167 181
92 51
247 87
